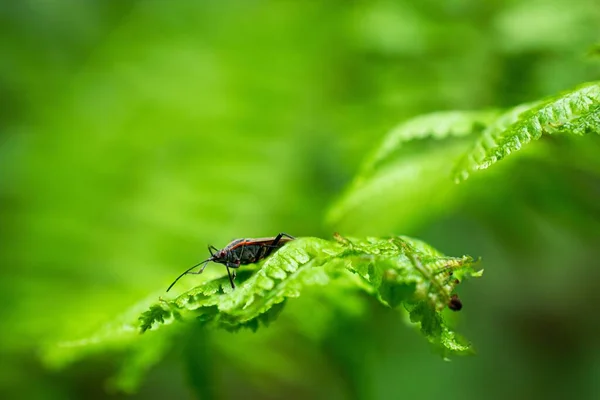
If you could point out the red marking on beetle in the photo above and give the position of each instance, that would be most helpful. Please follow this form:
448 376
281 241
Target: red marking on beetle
240 252
259 241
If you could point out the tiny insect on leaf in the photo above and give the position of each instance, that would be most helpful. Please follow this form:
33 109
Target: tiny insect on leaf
455 304
239 252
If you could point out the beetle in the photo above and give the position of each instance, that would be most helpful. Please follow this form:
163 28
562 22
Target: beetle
240 252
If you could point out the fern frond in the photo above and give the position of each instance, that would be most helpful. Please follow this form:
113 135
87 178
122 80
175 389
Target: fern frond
395 270
398 271
415 185
411 190
574 112
437 125
391 176
584 124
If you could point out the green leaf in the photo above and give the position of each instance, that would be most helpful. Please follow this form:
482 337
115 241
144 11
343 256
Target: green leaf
434 329
395 270
120 335
138 360
155 313
411 176
411 190
575 112
438 125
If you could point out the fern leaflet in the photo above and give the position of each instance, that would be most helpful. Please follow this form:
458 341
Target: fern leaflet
574 112
415 183
438 125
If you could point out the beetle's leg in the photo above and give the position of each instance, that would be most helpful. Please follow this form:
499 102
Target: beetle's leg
241 257
232 274
230 277
278 238
275 242
273 245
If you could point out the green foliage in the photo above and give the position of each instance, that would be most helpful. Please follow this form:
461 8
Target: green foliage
418 161
575 112
437 125
155 313
395 270
135 133
400 272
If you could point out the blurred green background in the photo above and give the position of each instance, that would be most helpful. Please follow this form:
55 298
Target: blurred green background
134 133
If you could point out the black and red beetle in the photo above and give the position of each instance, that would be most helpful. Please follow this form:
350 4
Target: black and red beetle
240 252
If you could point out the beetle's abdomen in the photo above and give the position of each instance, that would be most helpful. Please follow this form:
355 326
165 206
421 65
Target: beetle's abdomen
250 253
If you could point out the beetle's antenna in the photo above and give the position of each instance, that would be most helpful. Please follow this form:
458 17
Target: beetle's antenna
191 268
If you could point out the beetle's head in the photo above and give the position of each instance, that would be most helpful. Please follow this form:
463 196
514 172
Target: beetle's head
216 254
219 255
